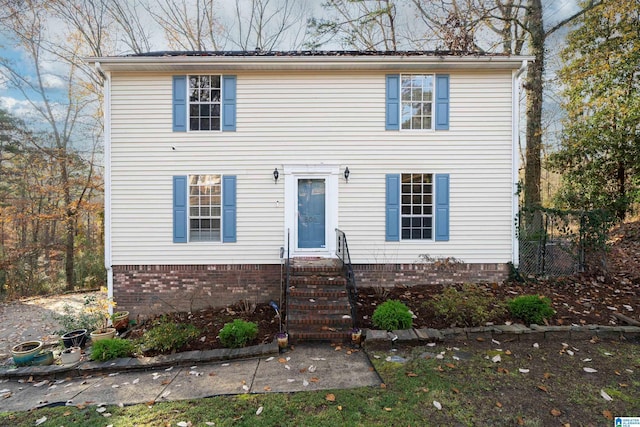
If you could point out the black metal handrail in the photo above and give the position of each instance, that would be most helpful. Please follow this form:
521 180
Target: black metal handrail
288 275
342 252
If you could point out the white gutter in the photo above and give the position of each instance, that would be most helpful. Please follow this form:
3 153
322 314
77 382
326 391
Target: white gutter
107 178
310 63
515 161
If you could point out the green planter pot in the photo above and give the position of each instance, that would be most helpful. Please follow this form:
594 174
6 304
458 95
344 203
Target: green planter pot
24 353
43 359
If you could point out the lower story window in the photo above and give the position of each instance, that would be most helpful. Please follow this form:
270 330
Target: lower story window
204 208
417 206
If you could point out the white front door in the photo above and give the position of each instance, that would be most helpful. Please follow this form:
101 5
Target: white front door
311 209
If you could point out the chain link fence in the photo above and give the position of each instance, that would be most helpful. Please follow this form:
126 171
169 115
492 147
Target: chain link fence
561 243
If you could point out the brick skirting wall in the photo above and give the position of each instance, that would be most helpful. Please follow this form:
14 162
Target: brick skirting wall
153 289
389 275
146 290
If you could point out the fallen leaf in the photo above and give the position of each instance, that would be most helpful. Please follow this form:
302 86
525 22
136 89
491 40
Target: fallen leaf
412 374
267 388
555 412
166 382
508 352
330 397
314 379
259 411
438 405
305 383
338 348
383 385
590 370
387 409
499 405
543 388
66 414
520 421
496 358
269 359
480 339
210 423
184 424
605 396
101 409
547 375
282 360
41 420
455 390
450 365
607 414
523 371
339 408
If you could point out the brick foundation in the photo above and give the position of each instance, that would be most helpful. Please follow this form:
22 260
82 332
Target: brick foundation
389 275
153 289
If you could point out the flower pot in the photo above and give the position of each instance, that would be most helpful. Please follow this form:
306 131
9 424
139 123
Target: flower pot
70 355
103 334
121 320
77 338
283 340
24 352
43 359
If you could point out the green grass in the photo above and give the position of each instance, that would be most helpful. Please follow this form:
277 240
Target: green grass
472 392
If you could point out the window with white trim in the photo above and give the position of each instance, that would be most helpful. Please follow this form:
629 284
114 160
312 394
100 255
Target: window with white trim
416 108
204 102
205 193
416 205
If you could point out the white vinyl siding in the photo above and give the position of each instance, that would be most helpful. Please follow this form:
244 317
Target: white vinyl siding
334 118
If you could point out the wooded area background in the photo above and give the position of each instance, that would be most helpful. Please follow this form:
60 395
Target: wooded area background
580 149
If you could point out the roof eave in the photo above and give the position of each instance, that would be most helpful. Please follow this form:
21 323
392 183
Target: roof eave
293 63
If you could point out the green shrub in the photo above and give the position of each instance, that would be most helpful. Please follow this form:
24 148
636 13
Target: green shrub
167 336
112 348
238 333
391 315
531 308
470 306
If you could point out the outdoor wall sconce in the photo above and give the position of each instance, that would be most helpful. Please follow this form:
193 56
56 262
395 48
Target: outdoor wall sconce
276 174
346 174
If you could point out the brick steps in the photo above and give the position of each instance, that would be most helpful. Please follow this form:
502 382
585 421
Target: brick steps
318 307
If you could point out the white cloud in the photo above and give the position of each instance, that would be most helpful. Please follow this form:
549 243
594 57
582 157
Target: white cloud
21 109
51 81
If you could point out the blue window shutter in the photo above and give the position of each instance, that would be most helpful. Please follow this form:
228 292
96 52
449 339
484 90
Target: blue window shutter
229 209
179 103
392 121
442 102
442 207
229 103
179 209
392 223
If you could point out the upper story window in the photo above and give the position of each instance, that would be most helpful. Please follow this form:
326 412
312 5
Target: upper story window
204 208
204 102
417 101
417 206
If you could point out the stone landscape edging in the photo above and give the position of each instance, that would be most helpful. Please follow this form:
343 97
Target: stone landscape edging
141 363
375 338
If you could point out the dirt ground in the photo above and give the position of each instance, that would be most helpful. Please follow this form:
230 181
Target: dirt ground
32 319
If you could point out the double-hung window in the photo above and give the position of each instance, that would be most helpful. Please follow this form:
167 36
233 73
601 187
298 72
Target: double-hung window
416 103
204 208
204 102
416 206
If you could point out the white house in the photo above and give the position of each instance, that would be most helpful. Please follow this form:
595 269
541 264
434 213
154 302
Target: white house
217 160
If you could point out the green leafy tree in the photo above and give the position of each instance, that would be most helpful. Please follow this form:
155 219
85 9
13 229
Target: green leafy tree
599 155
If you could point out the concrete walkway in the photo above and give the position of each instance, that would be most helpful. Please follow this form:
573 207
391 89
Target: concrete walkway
307 367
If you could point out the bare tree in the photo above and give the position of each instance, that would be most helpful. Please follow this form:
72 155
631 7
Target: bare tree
134 34
188 25
267 24
357 24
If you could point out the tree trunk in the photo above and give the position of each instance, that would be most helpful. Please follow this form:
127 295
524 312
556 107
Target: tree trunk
534 84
